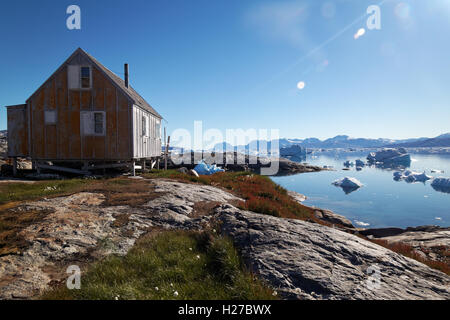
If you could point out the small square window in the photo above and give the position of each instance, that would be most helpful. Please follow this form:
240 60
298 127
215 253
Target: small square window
158 130
50 116
144 126
85 77
98 123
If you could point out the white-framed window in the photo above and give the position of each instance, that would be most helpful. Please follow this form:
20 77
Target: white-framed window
158 129
79 77
93 123
50 116
145 132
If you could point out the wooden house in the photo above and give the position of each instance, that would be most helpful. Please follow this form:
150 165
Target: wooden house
84 115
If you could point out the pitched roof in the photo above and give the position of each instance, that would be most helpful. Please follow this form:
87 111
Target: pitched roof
117 81
132 94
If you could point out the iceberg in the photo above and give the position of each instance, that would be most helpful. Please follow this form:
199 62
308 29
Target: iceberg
293 151
348 184
398 175
410 176
359 163
390 157
441 184
348 164
206 169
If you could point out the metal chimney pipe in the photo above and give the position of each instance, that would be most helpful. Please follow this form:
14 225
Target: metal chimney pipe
126 74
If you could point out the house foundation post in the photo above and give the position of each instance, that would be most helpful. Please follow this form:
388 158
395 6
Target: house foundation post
14 167
133 168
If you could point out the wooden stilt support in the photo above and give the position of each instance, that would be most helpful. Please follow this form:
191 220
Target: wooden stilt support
14 167
85 166
133 168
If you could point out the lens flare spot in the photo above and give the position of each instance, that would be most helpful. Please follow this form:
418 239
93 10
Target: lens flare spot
301 85
359 33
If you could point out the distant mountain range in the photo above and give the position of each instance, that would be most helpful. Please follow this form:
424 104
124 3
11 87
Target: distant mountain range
343 141
440 141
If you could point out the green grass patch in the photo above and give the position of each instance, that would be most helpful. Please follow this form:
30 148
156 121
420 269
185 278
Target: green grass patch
12 192
28 191
170 265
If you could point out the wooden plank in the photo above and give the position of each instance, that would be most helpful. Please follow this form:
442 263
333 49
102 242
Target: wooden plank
63 169
74 127
51 143
86 97
124 128
17 131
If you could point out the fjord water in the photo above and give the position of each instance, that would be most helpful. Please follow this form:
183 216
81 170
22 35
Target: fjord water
382 201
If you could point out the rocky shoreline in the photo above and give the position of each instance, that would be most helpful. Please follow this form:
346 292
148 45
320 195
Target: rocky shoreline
427 241
234 161
298 259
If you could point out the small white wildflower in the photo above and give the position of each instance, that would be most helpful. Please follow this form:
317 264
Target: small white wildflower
214 230
116 297
175 293
171 284
198 256
156 288
274 293
190 249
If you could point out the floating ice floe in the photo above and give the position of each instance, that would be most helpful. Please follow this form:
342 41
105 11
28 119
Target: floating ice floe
362 224
348 184
359 163
206 169
390 157
441 184
348 164
410 176
437 171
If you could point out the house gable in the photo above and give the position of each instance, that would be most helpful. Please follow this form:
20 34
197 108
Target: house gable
82 58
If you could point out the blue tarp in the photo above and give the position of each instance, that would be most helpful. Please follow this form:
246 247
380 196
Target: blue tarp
207 169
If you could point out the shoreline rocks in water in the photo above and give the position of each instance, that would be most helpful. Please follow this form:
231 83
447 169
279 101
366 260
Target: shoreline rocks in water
234 161
297 196
303 260
333 218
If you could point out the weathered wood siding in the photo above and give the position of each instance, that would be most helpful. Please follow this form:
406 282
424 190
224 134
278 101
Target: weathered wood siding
146 146
17 131
64 139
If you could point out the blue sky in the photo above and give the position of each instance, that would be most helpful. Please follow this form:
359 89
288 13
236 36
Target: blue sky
236 64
